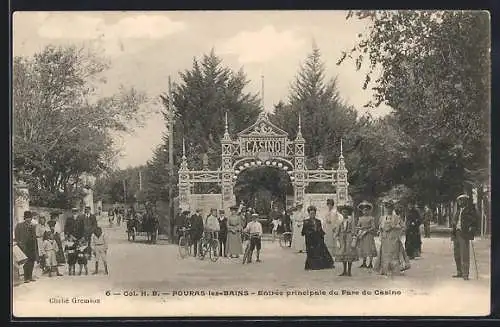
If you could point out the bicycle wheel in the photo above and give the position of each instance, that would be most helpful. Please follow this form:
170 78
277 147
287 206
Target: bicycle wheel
203 249
246 254
285 239
183 247
189 245
214 250
282 240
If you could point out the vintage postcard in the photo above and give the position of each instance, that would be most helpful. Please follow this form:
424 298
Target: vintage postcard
251 163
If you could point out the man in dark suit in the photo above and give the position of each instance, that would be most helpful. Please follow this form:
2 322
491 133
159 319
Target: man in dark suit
86 224
25 238
464 226
196 230
70 225
223 233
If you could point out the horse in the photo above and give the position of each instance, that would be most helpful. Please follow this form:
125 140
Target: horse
151 225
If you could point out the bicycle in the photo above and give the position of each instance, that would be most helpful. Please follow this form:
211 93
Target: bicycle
285 239
185 242
209 245
247 255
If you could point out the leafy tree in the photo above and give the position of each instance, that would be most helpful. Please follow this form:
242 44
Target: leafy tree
435 75
61 127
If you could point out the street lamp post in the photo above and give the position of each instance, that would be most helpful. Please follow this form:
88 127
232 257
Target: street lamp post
170 157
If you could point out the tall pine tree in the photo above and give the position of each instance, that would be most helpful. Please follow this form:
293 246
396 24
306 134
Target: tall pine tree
205 93
325 116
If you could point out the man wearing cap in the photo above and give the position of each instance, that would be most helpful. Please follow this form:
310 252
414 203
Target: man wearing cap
222 233
25 237
211 225
464 226
254 228
196 230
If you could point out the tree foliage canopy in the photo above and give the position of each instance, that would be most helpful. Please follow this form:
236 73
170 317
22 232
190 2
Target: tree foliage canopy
61 128
435 68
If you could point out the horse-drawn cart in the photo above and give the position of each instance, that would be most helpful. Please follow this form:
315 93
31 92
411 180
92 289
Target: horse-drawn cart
143 225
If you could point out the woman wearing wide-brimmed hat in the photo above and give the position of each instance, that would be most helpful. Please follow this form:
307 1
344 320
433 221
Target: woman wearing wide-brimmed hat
318 256
391 260
366 230
345 237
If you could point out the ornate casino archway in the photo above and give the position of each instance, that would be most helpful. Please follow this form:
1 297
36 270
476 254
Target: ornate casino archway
261 144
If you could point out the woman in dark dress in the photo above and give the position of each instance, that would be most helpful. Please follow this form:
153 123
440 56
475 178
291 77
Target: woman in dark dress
318 256
413 241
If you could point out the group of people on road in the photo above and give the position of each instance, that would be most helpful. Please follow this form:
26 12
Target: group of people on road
46 243
338 237
230 231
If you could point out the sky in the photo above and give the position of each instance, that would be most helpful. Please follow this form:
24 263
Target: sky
145 48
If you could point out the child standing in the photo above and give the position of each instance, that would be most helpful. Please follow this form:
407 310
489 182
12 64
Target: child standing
81 255
49 250
71 249
99 245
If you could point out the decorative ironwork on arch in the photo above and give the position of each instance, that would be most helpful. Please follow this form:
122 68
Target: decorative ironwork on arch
261 144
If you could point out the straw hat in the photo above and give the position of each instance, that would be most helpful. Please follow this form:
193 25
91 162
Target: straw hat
365 204
347 207
462 196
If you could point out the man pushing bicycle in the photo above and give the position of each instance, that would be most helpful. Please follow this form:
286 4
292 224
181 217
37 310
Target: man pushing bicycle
254 229
211 226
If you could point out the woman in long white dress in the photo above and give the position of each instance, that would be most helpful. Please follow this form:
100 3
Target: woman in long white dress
330 224
298 241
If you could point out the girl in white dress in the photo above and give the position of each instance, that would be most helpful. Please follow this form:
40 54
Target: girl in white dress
298 241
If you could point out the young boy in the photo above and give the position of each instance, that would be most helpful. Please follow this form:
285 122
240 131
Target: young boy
81 254
70 248
254 228
99 245
49 250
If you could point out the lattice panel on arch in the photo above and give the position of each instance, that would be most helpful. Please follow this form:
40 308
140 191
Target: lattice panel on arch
205 177
299 163
320 176
299 149
227 163
226 150
236 149
290 149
